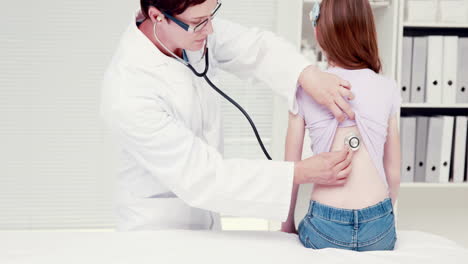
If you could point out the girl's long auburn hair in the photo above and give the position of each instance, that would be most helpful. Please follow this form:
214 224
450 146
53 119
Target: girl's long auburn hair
346 33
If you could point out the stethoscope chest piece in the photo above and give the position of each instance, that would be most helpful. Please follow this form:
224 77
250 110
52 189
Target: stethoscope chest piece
353 141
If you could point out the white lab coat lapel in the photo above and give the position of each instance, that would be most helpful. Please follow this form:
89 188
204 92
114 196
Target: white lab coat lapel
209 99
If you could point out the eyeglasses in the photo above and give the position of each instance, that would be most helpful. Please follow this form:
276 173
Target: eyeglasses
198 27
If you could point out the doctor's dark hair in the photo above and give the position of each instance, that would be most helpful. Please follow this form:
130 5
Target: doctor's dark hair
172 7
346 33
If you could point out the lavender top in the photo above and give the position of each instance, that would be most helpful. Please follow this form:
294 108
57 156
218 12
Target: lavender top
377 98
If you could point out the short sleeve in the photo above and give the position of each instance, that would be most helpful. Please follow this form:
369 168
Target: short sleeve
396 100
300 96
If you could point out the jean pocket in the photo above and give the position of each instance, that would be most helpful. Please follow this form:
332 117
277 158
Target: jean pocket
313 233
305 233
391 246
385 242
309 244
305 236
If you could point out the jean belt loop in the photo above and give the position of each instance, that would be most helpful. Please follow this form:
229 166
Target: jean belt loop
311 206
356 220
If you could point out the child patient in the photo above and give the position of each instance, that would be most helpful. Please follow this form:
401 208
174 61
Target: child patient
357 215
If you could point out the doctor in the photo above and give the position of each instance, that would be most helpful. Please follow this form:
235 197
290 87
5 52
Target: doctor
167 121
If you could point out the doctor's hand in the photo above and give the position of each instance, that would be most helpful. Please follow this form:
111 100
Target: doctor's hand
328 90
327 168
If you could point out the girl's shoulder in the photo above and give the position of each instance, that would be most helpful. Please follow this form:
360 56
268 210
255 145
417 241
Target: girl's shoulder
366 77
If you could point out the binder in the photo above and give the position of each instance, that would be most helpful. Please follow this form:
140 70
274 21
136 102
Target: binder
462 87
434 69
407 142
418 70
422 126
434 145
449 74
406 65
466 163
446 150
459 145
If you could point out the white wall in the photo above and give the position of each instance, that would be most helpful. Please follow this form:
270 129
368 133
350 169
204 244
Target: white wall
55 165
54 168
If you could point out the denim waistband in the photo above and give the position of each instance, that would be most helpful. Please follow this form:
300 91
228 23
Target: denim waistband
350 216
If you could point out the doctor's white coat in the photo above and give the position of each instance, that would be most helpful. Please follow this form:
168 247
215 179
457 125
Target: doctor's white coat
167 124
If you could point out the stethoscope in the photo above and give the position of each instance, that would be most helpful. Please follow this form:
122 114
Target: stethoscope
204 75
351 140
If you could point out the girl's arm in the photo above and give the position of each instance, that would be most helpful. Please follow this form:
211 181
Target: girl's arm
392 158
293 152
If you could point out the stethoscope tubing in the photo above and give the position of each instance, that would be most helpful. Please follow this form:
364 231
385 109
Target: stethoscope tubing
205 76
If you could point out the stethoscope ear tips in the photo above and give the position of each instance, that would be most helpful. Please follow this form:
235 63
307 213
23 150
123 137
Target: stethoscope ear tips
353 141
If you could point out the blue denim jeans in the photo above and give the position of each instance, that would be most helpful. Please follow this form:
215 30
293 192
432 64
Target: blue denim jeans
370 228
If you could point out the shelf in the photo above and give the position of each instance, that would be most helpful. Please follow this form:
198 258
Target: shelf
426 105
433 185
435 29
424 109
434 25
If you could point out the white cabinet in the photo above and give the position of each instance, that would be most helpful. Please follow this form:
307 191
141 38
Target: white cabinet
440 208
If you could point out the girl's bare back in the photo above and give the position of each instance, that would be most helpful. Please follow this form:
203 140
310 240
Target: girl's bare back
364 186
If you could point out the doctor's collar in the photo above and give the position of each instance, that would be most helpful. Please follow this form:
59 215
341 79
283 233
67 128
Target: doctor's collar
142 50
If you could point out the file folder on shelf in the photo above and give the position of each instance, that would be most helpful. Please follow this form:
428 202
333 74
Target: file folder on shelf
418 70
449 74
462 83
434 69
459 145
439 149
406 65
434 145
407 142
422 126
446 150
466 163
